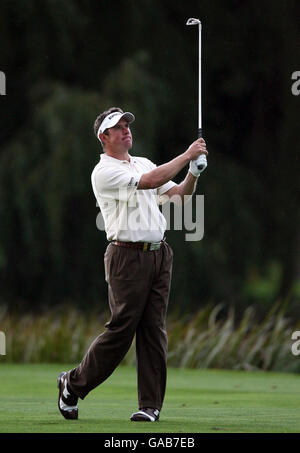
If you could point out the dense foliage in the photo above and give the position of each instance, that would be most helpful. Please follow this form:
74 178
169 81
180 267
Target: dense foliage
65 62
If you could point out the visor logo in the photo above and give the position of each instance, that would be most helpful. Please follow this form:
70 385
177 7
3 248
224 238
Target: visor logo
111 116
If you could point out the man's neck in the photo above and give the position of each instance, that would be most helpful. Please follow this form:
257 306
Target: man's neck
121 155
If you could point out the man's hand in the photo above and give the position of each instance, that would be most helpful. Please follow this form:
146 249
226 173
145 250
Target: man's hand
201 162
196 149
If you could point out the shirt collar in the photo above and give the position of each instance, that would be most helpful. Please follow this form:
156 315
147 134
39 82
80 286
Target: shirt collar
105 158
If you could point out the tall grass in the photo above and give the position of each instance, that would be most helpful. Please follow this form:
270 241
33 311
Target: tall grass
207 339
57 335
208 342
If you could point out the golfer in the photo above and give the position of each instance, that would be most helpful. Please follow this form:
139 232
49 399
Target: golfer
138 265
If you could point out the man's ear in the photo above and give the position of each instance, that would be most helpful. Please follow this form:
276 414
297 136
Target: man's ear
103 137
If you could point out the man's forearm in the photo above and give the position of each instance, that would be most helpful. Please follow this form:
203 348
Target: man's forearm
163 173
185 188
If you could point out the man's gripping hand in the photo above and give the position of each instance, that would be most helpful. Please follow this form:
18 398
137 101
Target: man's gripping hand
197 154
201 162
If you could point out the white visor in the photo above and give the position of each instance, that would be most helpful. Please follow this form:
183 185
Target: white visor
112 119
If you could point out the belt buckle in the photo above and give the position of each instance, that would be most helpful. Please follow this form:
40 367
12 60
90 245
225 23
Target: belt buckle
154 246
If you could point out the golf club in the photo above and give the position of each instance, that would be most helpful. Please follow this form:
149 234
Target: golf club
193 21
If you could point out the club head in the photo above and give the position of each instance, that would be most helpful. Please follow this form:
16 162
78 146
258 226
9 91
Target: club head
193 21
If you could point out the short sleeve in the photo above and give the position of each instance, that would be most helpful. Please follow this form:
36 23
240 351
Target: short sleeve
163 189
115 183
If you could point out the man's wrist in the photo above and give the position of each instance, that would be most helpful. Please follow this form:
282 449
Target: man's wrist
195 176
187 156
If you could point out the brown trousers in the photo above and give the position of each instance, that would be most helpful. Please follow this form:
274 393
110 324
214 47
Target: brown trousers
138 290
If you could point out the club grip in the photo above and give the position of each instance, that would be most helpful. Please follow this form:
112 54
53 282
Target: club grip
200 167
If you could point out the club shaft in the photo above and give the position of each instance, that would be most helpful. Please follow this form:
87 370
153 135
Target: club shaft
193 21
200 85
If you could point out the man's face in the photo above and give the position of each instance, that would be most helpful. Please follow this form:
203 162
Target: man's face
119 136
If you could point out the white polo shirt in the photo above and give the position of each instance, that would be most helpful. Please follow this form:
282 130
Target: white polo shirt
129 214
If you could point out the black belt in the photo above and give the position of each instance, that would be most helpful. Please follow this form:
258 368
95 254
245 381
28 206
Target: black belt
145 246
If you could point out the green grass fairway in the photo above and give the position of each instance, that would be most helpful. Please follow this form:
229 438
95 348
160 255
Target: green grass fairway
197 401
